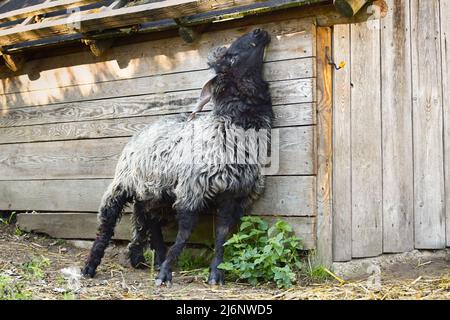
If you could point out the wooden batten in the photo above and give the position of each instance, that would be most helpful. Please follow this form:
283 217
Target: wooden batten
349 7
98 47
190 34
324 152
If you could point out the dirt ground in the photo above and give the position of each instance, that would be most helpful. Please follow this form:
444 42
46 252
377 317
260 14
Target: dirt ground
34 263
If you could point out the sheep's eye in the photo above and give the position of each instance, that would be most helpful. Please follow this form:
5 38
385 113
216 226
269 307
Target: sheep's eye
233 60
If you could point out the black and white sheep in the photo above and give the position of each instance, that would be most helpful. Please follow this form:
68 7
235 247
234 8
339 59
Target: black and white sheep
186 168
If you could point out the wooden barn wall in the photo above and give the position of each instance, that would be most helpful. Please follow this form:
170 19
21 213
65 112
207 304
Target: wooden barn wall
392 132
64 121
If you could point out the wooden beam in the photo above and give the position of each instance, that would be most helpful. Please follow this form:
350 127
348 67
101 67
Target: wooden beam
49 6
324 148
116 18
349 7
377 9
325 16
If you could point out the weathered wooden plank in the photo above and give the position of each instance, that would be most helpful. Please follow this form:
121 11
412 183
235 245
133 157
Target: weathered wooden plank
445 47
150 105
429 202
48 6
342 175
292 91
291 39
287 196
84 226
324 155
366 142
398 177
283 196
285 115
97 158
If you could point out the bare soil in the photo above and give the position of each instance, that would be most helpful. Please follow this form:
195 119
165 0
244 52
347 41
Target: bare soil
410 280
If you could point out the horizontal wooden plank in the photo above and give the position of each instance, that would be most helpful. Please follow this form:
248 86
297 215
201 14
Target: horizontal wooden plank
46 7
287 196
119 18
285 115
282 70
84 226
291 39
283 93
283 196
97 158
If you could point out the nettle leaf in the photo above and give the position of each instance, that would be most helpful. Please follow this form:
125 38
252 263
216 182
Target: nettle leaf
228 266
245 225
283 226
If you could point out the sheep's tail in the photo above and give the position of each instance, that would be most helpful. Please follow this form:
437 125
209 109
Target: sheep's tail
110 212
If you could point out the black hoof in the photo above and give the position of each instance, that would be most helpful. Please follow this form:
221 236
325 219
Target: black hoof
164 277
88 271
216 277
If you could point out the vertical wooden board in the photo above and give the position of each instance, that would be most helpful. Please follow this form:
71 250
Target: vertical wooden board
366 141
398 181
429 213
342 192
445 45
324 148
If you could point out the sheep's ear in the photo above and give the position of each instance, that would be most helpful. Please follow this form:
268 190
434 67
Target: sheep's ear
216 54
205 97
207 89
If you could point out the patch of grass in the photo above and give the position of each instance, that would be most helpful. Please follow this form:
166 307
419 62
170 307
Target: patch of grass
69 296
194 259
18 232
8 220
319 274
34 269
11 289
261 253
149 256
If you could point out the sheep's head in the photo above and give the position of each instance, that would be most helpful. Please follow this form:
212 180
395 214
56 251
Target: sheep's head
244 56
238 71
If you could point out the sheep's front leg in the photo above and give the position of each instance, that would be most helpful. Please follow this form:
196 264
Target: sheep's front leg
157 241
186 224
140 236
227 217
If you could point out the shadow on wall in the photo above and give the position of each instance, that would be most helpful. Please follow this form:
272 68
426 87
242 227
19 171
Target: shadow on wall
124 70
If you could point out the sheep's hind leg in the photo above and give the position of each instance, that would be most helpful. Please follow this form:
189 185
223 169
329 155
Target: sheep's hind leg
140 236
186 224
228 215
110 212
